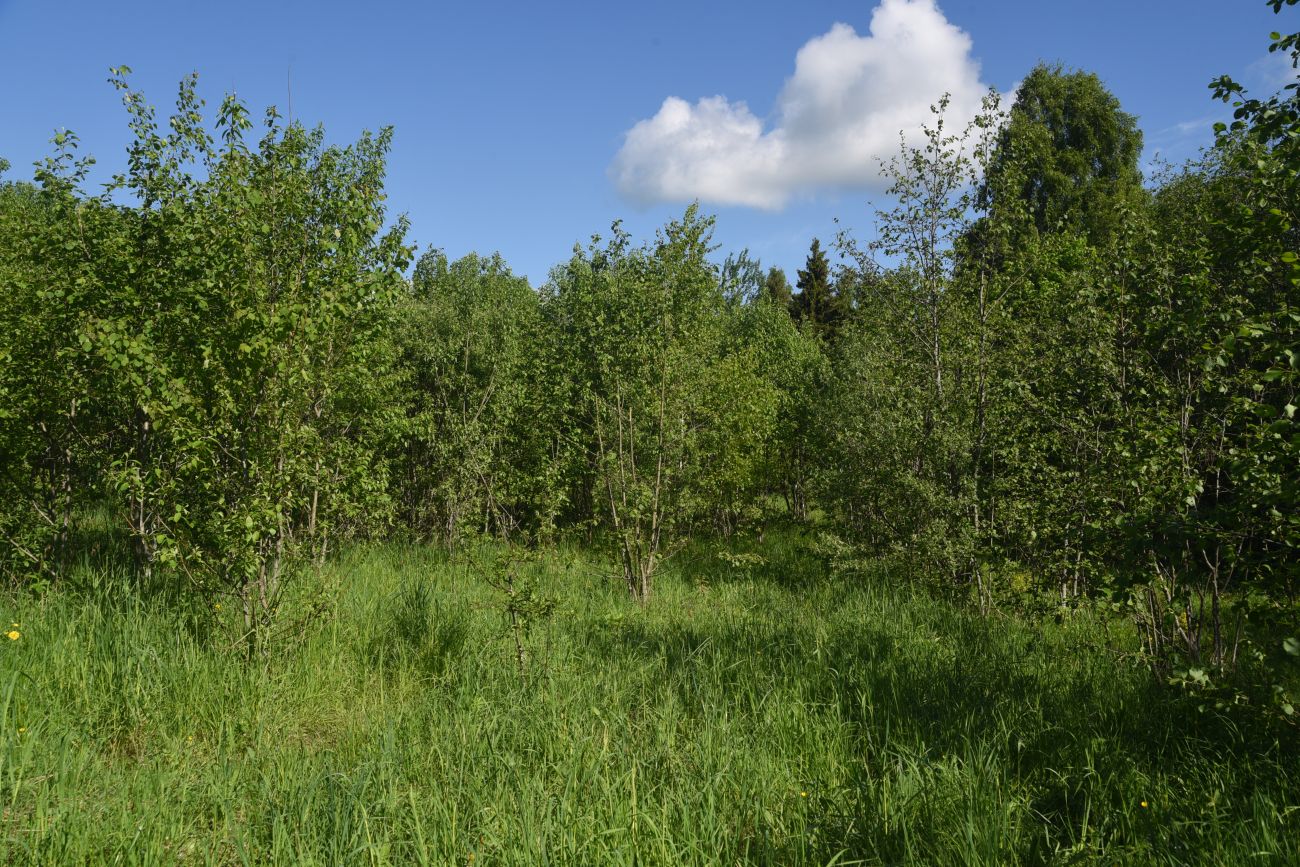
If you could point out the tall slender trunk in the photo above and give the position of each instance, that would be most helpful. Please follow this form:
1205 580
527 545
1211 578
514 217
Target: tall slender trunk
143 520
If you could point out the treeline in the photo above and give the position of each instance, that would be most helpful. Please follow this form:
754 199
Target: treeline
1042 374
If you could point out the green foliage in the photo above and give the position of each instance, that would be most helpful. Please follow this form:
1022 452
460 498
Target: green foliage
264 278
211 339
663 411
740 278
58 252
519 579
793 366
818 306
1060 374
1213 274
466 338
1046 465
1041 387
1067 152
901 447
776 288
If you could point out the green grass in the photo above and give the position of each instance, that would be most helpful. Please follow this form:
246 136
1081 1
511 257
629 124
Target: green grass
768 716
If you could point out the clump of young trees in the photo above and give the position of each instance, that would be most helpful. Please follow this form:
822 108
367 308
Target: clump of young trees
1056 376
224 351
198 358
1041 375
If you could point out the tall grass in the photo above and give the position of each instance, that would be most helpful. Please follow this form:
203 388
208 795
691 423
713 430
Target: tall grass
758 711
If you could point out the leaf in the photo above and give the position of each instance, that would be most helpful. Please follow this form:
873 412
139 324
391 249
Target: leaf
1292 646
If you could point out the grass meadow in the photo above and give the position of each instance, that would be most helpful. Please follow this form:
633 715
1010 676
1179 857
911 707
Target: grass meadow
756 711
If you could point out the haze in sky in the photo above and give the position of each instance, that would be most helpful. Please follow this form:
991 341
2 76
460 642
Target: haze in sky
525 127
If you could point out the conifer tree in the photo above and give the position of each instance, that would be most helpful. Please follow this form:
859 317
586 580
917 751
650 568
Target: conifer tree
817 304
776 288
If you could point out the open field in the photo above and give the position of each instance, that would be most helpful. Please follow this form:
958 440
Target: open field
770 714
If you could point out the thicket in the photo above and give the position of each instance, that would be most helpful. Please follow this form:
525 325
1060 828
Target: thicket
1041 376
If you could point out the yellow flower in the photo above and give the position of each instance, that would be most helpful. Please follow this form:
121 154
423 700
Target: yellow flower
1144 805
22 729
13 635
803 794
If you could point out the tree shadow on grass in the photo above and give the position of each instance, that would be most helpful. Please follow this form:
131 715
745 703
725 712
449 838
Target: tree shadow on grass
98 546
782 557
1070 733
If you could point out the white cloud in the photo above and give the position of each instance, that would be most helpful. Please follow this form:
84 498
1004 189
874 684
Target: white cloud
1188 128
837 116
1274 71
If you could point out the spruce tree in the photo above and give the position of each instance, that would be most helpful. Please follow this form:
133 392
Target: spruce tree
776 288
817 304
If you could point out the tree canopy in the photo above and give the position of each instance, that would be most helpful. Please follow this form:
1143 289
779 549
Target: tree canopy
1068 153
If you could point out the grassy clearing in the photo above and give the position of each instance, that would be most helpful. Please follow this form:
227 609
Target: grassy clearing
743 717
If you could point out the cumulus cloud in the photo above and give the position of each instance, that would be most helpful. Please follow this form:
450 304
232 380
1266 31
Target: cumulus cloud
837 116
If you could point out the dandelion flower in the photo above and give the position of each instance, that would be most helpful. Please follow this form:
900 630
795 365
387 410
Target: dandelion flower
13 635
1144 805
803 794
22 729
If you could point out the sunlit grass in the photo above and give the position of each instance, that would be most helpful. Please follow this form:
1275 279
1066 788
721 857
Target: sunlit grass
760 713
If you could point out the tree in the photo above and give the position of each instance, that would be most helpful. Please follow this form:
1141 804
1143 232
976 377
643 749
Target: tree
1213 274
740 279
240 323
465 338
1045 341
1068 152
776 289
817 306
59 252
901 410
793 363
662 413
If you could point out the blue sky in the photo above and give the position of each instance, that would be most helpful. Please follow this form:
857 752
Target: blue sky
513 119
